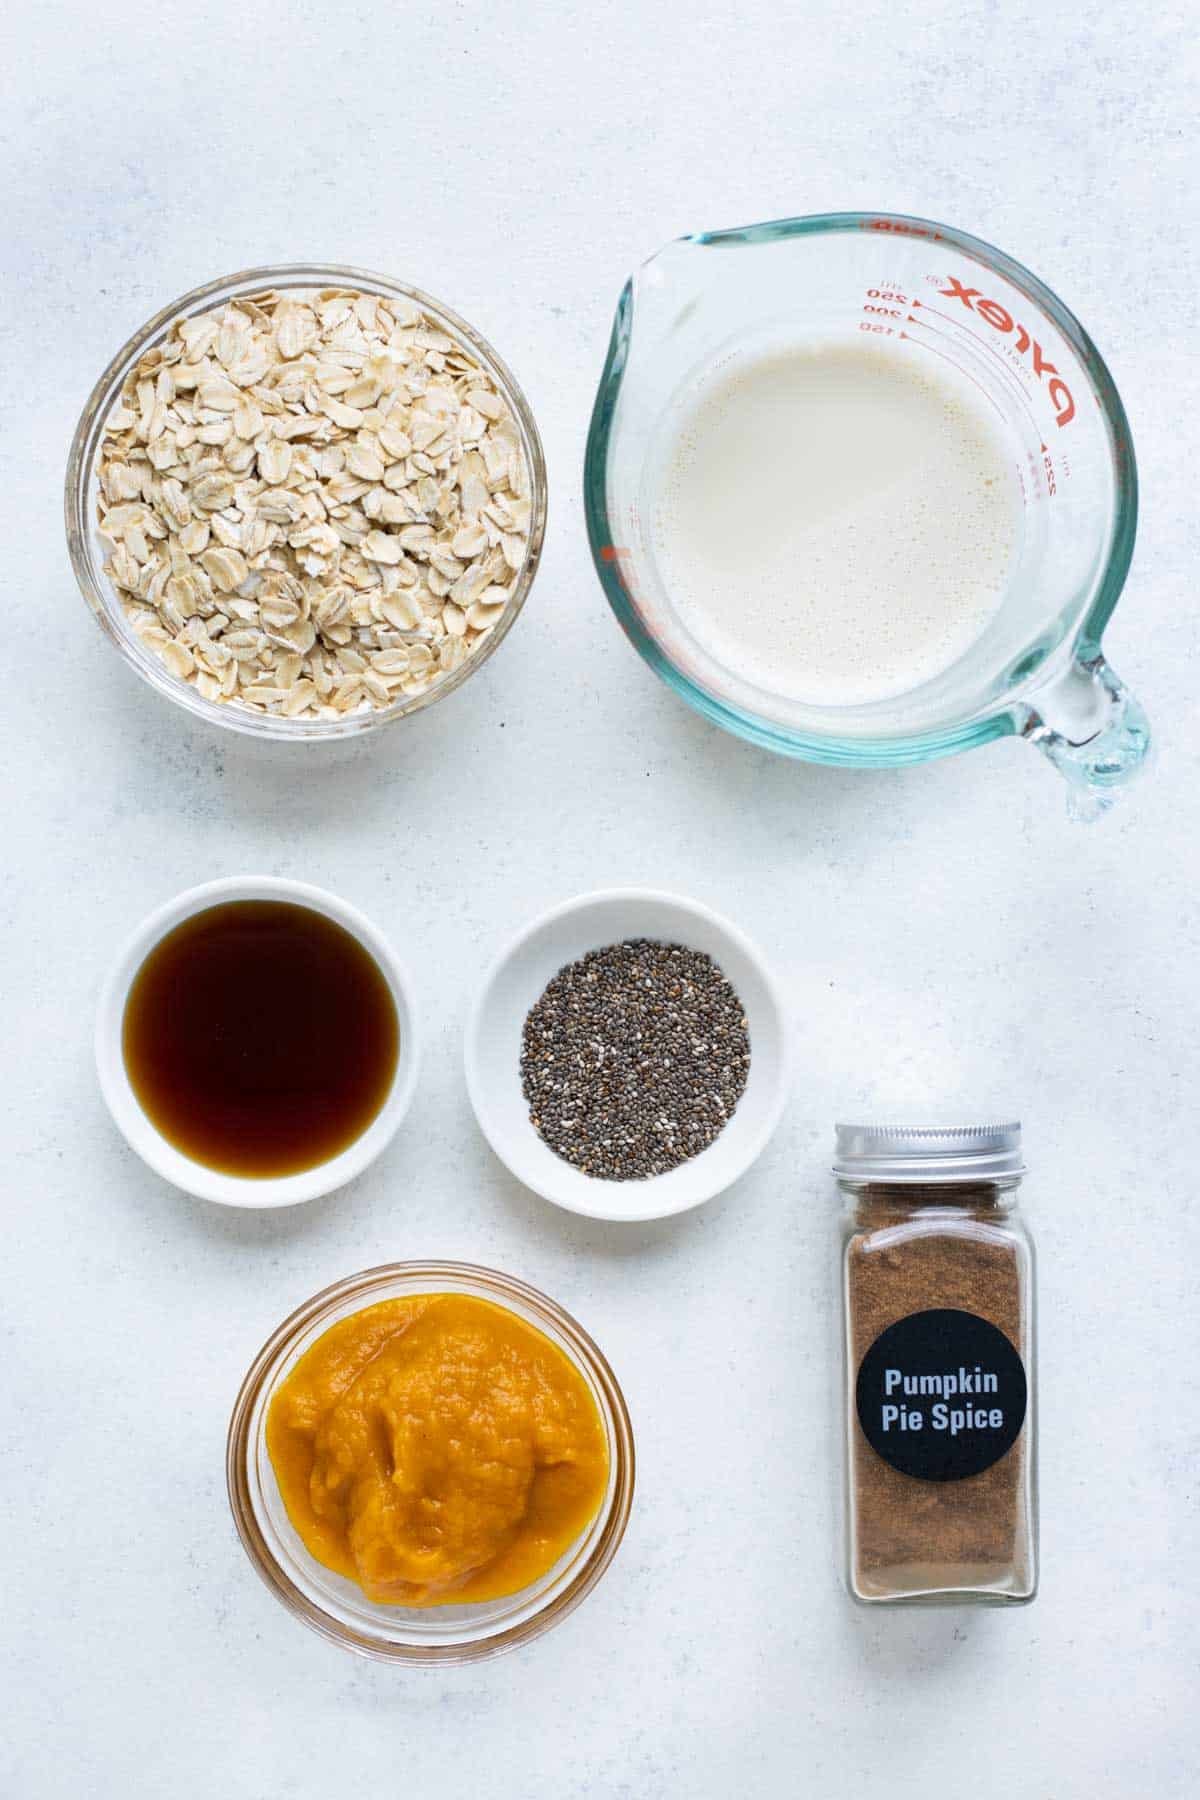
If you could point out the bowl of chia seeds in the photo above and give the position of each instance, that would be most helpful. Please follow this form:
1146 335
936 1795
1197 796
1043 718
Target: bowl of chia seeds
627 1055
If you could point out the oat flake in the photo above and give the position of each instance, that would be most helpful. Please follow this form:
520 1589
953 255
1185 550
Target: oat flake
313 503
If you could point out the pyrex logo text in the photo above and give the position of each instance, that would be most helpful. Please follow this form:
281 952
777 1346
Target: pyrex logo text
1002 320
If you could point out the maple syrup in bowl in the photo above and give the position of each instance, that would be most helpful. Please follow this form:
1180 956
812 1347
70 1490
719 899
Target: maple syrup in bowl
256 1042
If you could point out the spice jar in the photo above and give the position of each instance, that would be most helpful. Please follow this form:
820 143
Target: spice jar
940 1427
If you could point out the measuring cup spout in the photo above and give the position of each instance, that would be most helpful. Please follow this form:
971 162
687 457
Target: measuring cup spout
1092 729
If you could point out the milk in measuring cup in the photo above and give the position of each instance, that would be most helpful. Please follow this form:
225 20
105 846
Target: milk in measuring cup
836 521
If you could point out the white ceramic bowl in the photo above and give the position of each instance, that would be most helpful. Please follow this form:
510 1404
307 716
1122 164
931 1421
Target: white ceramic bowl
148 1141
516 980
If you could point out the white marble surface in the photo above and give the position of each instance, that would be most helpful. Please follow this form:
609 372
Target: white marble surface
943 931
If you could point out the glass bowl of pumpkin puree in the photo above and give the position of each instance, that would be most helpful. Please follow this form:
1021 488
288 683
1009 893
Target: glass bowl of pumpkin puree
430 1462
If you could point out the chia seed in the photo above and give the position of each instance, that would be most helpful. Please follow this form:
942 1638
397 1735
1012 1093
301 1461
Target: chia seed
634 1059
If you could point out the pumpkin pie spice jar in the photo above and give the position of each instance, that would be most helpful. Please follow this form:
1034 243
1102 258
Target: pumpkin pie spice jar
939 1404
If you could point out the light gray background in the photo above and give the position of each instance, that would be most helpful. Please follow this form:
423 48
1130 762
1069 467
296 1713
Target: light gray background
943 933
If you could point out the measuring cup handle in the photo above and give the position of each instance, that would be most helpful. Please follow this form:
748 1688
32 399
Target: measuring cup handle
1092 729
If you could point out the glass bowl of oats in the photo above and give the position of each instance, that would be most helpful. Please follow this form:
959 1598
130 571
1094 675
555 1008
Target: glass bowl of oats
305 501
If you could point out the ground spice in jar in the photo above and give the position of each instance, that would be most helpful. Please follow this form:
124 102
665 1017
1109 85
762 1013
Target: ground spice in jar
938 1300
634 1058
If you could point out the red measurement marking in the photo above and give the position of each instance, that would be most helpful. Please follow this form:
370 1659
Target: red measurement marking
901 229
949 318
610 552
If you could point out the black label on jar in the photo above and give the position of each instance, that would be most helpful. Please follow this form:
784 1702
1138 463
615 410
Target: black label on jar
941 1395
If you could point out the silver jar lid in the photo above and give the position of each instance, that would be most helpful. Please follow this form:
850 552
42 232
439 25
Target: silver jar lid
919 1154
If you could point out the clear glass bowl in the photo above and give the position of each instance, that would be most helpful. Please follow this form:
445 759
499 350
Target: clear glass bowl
87 552
336 1607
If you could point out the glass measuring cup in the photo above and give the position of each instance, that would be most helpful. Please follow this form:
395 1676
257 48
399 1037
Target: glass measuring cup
924 291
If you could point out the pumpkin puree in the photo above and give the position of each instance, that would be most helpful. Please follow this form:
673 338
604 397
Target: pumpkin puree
437 1449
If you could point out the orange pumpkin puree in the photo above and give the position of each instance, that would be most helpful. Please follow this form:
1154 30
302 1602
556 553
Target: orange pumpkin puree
437 1449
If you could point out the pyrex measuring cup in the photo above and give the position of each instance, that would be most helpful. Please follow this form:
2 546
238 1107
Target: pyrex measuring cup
924 291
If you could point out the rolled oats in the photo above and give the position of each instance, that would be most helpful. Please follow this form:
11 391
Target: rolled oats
313 503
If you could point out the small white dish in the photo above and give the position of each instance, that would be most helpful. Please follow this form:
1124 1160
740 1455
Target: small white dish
516 980
161 1155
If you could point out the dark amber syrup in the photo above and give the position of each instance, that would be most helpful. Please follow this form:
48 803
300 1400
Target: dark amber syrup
260 1037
